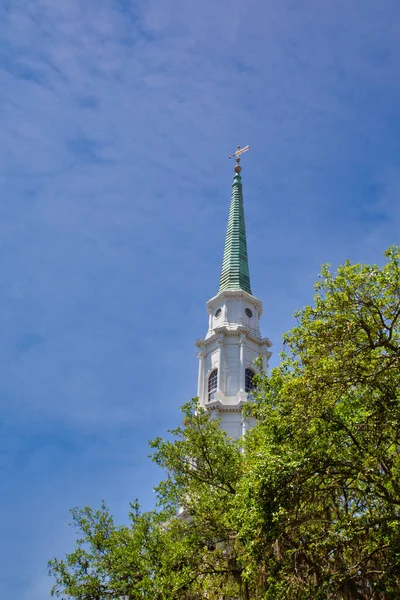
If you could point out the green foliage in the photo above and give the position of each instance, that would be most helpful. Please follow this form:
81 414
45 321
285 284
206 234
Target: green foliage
110 561
307 506
324 481
179 551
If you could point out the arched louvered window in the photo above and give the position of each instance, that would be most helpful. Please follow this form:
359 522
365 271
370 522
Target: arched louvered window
212 383
249 384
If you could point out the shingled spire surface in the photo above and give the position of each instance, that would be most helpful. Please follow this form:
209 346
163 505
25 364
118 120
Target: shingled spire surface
235 265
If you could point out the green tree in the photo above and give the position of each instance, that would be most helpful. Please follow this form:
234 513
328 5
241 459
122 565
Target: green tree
111 561
205 467
320 504
188 548
307 506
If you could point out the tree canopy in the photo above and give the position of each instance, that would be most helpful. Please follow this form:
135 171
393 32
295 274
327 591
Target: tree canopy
307 505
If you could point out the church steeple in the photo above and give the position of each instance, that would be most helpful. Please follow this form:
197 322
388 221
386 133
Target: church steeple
235 265
233 341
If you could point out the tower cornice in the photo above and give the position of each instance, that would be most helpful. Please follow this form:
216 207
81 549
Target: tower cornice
246 332
236 294
225 408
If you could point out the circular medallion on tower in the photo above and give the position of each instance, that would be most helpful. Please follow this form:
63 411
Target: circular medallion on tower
248 312
217 313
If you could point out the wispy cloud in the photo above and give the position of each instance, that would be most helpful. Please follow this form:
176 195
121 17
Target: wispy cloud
117 117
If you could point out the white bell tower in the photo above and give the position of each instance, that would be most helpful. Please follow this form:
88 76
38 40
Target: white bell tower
233 340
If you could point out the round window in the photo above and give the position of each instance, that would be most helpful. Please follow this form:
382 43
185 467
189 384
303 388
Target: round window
248 312
217 313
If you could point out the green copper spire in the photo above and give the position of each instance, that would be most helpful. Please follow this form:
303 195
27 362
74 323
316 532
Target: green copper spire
235 265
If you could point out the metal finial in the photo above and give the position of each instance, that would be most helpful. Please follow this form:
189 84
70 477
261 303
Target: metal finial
237 155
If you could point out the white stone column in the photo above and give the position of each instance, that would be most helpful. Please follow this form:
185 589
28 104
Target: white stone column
200 383
221 366
241 312
209 319
224 314
241 362
215 414
265 354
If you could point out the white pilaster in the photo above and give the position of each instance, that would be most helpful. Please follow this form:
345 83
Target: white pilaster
200 384
209 319
215 414
265 357
221 362
241 362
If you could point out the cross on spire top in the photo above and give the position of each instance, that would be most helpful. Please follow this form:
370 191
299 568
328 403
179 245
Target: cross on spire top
237 155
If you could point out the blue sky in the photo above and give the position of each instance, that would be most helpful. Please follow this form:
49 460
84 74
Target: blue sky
117 120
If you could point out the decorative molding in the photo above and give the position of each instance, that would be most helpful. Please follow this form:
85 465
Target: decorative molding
219 397
225 408
220 337
240 329
239 295
242 397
